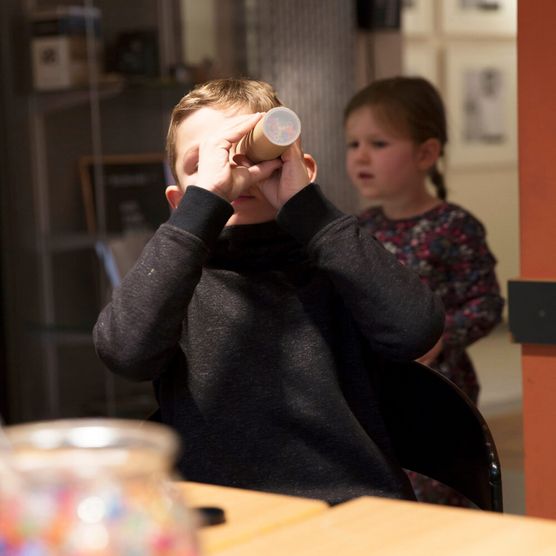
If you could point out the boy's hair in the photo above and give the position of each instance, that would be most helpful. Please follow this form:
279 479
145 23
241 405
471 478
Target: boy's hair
410 105
258 96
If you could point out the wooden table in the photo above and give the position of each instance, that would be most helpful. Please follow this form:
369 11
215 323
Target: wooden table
249 514
369 526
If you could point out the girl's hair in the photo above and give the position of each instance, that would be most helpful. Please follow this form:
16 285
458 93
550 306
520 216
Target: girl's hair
223 94
411 105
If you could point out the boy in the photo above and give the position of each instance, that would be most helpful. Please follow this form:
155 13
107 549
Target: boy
262 314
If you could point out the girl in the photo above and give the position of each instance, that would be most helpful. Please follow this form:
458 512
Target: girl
396 133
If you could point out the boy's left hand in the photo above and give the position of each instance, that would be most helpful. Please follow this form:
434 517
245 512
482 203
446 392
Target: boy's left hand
289 180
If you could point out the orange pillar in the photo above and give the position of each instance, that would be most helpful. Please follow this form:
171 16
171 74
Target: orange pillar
537 167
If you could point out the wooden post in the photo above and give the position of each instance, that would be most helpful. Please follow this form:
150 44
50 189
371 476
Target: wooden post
537 166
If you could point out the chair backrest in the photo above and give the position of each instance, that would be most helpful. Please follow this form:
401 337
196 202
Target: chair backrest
436 430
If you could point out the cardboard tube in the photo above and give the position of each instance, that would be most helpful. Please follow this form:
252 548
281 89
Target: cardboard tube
274 133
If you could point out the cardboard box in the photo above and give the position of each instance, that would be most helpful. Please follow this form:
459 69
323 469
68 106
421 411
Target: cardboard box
59 47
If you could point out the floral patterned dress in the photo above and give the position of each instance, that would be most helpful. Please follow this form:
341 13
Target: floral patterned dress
447 247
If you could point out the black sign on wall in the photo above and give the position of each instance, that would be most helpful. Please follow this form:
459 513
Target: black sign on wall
377 15
532 311
131 194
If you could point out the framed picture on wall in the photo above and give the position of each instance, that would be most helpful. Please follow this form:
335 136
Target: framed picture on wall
124 192
471 17
417 17
481 97
420 60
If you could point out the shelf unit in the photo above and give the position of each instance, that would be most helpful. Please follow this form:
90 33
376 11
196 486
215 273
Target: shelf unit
108 116
52 280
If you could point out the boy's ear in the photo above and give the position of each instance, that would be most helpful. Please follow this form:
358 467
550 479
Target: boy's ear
429 153
174 194
311 165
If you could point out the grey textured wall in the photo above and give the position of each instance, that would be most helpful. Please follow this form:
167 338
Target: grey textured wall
306 51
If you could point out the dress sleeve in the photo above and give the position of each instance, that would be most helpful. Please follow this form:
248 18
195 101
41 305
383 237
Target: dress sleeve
472 299
138 332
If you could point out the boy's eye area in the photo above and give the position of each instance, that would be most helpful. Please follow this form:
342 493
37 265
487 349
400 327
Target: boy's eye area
378 144
352 144
191 165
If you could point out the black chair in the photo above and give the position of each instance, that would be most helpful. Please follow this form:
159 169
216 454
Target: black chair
437 431
155 416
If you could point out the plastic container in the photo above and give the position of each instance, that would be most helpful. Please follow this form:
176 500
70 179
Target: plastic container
93 487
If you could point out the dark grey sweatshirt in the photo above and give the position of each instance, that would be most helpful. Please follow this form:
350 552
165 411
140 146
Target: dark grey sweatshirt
264 342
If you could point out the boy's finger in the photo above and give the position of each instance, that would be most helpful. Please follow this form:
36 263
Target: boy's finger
293 151
239 126
262 171
242 160
231 132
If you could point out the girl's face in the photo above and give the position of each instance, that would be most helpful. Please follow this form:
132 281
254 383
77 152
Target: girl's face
382 164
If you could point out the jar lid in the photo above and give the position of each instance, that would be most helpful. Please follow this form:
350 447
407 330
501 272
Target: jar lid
86 445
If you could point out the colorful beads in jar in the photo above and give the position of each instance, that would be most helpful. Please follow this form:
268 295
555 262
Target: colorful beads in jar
98 487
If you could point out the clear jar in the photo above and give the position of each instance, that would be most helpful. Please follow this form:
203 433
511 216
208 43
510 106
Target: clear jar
92 487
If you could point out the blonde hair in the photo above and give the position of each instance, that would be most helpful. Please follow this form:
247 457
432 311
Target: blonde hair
258 96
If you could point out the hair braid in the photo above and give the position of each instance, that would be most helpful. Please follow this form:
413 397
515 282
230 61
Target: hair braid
437 179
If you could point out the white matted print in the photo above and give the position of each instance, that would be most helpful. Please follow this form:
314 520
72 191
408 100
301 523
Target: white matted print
472 17
481 93
417 17
420 60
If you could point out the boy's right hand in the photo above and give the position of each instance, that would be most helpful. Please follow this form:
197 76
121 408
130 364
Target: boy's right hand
217 172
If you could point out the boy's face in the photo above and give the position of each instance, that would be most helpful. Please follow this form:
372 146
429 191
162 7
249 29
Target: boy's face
251 207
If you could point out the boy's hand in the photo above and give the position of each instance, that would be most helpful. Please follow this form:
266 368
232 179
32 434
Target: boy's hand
294 176
216 170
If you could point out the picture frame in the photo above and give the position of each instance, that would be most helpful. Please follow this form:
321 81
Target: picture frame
124 192
421 60
481 89
473 17
417 17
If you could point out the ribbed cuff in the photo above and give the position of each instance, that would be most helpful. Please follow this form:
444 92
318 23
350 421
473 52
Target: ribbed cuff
306 213
201 213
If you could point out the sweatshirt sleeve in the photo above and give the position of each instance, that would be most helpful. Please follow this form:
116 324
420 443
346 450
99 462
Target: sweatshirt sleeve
138 331
400 317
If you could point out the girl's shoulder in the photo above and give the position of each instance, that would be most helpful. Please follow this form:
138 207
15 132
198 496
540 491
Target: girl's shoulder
455 216
445 217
